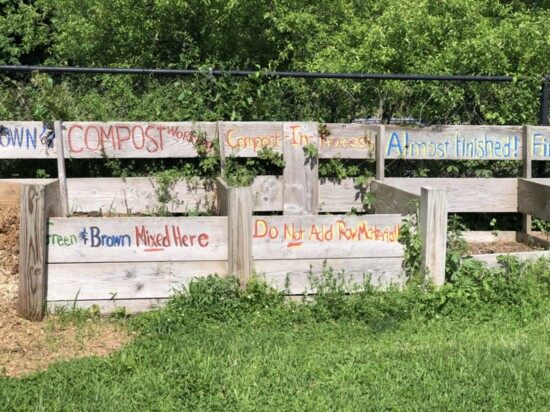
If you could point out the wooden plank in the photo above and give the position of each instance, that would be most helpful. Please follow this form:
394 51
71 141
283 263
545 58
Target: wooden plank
330 236
340 196
267 193
390 199
143 280
489 237
456 142
295 275
539 143
61 175
433 231
301 173
349 141
534 197
114 196
492 262
110 306
380 153
527 171
53 204
137 239
32 265
239 227
137 139
27 140
467 195
245 139
222 197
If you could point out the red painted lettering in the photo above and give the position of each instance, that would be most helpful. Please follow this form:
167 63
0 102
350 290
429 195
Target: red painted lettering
71 148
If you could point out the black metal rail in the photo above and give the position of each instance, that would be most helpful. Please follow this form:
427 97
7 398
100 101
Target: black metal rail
544 96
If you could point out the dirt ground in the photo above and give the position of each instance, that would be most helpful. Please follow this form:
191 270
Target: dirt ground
27 346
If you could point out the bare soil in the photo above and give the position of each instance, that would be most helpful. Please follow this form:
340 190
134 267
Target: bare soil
500 247
27 346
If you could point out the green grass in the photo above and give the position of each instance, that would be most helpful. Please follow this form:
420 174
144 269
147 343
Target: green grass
218 347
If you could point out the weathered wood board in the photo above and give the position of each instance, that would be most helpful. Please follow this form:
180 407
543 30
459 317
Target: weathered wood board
491 260
391 199
137 280
326 237
267 193
138 239
295 275
27 140
454 142
341 196
534 197
348 141
114 196
137 139
432 226
301 173
111 305
245 139
539 141
475 195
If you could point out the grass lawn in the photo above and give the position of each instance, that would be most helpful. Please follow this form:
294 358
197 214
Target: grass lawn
221 348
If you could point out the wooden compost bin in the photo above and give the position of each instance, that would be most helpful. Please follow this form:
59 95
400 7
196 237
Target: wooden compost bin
87 261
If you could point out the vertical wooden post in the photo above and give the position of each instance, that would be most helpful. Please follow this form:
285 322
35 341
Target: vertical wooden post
32 264
527 171
301 173
433 231
220 130
236 203
380 154
64 195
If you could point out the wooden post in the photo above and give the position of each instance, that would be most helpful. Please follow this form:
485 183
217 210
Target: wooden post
32 264
527 172
380 155
220 130
222 197
301 173
38 202
433 231
236 203
61 169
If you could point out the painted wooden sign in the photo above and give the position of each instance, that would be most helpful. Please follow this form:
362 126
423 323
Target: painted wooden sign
309 237
539 142
349 141
454 143
245 139
136 239
27 140
137 140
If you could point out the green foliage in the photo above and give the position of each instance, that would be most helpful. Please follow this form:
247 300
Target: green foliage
166 181
374 37
217 346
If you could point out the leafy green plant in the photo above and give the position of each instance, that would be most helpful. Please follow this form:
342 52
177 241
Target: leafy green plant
410 238
166 181
493 225
311 151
